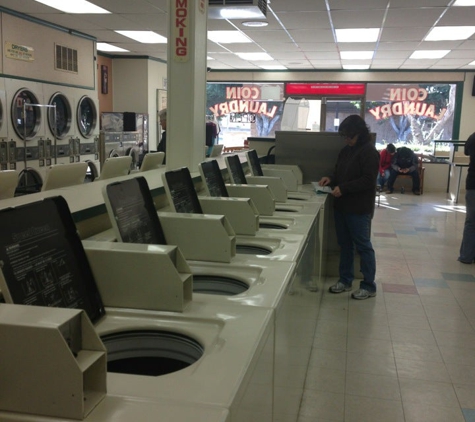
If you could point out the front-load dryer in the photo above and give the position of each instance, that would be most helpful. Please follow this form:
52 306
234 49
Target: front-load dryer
26 135
151 354
3 112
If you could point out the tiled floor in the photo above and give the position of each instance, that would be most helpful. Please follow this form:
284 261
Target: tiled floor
408 354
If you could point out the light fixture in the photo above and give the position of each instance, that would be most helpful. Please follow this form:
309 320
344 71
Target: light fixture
255 24
254 56
355 66
450 33
73 6
429 54
356 55
146 37
228 37
102 46
357 35
464 3
273 67
472 63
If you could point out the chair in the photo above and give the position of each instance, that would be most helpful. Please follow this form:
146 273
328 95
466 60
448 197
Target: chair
152 161
8 183
421 170
115 167
64 175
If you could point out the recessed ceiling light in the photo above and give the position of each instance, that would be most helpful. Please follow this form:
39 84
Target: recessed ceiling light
254 56
355 66
102 46
356 55
449 33
357 35
429 54
472 63
228 37
146 37
73 6
255 24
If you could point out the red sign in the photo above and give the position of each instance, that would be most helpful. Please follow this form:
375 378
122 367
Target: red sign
324 89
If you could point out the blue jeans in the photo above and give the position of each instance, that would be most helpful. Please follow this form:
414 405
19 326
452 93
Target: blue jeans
354 230
383 179
467 249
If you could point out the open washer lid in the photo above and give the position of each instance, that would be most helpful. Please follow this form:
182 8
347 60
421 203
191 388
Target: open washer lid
44 262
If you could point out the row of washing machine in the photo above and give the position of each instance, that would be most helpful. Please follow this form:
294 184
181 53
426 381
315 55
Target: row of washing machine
240 356
43 124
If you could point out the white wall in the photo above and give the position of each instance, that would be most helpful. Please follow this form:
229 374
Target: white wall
135 89
157 75
467 122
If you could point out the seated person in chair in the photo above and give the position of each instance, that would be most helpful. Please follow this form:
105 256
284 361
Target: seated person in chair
385 159
405 162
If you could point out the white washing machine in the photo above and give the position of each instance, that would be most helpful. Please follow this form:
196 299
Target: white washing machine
126 409
208 354
244 282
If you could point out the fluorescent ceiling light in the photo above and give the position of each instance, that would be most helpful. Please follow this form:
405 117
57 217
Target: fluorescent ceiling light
356 55
228 37
145 37
464 3
357 35
254 56
209 58
472 63
448 33
273 67
355 66
429 54
73 6
255 24
102 46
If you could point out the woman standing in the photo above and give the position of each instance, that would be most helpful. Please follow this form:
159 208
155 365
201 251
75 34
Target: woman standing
354 190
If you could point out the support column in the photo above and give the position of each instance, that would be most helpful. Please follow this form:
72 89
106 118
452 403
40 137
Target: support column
186 73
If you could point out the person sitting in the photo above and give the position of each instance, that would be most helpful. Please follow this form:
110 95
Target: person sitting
404 162
385 159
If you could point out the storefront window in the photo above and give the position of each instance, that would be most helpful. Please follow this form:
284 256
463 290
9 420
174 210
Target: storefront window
245 110
410 114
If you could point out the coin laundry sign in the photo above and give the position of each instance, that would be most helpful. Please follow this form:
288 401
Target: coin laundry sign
19 52
243 100
181 32
406 101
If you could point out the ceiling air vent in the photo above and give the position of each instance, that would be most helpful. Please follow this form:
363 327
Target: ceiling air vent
237 9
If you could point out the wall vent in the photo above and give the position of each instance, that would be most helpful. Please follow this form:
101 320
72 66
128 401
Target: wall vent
66 59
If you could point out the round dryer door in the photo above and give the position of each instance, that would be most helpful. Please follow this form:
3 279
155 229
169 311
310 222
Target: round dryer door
87 116
61 113
26 118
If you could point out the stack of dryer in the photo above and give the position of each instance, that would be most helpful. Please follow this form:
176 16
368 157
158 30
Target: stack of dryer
48 124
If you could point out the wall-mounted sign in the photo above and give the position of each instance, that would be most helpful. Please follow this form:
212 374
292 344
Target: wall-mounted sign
19 52
181 28
324 89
